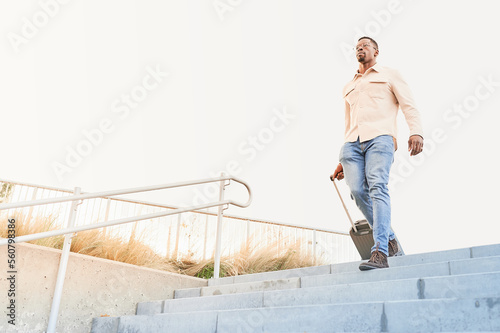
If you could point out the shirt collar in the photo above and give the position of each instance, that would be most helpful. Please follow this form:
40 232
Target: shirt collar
375 67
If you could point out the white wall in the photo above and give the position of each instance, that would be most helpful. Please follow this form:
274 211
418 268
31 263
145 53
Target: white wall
93 287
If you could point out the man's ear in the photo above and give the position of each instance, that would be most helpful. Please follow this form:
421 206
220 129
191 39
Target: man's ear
376 53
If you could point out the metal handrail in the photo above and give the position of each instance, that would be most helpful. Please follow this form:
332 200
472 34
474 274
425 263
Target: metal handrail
130 191
71 230
77 197
52 233
235 217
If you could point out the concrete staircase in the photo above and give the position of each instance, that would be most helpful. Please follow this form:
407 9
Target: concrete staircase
448 291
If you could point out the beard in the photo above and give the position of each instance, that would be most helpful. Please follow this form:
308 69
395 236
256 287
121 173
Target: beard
361 58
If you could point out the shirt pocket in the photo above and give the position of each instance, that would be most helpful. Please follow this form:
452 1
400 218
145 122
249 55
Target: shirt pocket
349 95
378 88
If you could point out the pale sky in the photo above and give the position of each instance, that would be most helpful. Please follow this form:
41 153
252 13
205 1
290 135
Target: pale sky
115 94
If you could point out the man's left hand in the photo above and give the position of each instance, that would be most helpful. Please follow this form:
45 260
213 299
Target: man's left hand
415 145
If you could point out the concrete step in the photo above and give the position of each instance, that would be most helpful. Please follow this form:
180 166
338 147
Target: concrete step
238 288
458 286
395 316
464 266
467 266
427 258
429 315
276 275
408 260
456 290
454 267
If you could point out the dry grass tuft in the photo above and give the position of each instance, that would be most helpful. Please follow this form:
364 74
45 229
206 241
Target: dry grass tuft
252 258
26 226
255 259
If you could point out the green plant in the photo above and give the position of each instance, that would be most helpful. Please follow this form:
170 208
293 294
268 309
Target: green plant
207 272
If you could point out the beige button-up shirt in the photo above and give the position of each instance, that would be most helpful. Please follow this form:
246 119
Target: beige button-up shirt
372 101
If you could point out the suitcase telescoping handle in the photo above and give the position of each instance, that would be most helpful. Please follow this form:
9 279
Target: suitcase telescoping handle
343 204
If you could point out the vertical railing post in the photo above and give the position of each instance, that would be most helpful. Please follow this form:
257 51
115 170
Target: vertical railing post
218 239
30 213
177 236
314 247
205 238
63 263
106 214
247 240
168 241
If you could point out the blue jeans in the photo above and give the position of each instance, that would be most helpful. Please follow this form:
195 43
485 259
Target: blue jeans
366 170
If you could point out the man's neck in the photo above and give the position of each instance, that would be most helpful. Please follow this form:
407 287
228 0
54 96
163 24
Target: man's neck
363 67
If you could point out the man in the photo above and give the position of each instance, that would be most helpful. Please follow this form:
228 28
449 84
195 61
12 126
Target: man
372 100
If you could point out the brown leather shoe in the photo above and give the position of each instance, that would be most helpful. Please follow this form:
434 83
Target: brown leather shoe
377 260
393 247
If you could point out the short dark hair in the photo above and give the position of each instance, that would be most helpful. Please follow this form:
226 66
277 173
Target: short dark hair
371 39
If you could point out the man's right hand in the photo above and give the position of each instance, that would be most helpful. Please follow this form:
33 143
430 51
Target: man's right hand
339 173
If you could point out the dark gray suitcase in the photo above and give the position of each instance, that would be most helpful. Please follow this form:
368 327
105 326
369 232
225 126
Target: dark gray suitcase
362 236
362 233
